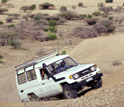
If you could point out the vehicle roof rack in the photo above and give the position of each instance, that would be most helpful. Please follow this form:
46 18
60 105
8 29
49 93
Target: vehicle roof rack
35 61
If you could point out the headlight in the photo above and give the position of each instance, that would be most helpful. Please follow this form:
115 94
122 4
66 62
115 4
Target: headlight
76 76
93 68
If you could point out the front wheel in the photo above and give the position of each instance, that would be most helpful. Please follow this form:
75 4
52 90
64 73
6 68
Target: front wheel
69 93
97 84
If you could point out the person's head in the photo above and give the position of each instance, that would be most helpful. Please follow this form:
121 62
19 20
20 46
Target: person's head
62 63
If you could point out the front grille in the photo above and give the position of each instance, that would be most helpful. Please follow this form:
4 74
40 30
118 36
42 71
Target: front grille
85 72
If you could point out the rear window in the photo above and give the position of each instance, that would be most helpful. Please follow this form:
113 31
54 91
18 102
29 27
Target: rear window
21 78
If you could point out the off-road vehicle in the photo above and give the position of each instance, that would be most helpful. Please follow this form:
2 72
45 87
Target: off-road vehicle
55 75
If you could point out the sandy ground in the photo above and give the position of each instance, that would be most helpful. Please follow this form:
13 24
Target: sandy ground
102 50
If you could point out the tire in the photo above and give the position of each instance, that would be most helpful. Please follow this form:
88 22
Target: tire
97 84
69 93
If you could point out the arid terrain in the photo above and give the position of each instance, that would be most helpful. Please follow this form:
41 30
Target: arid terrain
107 51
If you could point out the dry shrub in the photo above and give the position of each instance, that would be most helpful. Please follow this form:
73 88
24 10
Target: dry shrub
84 32
68 15
39 36
104 26
117 63
5 37
91 21
119 20
118 9
106 10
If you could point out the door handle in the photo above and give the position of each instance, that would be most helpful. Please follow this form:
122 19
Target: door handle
21 91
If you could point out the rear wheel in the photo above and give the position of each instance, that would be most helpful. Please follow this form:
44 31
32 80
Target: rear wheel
97 84
32 97
69 93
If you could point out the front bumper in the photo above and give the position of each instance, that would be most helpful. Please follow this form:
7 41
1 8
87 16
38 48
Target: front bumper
84 82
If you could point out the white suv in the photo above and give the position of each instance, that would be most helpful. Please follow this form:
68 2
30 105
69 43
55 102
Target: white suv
55 75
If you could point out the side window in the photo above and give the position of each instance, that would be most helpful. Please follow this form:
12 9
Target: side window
21 78
31 75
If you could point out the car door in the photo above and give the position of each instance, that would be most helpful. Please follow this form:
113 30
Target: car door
49 87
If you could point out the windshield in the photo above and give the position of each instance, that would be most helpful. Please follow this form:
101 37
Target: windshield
61 65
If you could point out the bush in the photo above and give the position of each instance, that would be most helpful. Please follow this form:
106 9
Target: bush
85 32
25 8
106 10
32 7
15 44
100 5
104 26
41 22
52 23
56 18
80 4
118 9
73 7
6 36
109 1
110 17
63 53
1 23
68 15
91 21
2 10
83 16
9 19
14 15
52 29
4 1
63 8
1 57
117 63
61 21
51 36
123 4
46 5
38 16
11 26
96 13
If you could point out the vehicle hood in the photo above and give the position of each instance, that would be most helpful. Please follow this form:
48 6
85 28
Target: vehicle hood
73 70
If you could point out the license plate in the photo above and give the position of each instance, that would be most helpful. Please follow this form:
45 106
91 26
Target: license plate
89 79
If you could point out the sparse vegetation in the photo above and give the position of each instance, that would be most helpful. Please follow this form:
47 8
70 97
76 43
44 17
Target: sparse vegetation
110 17
46 5
80 4
52 29
63 8
109 1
